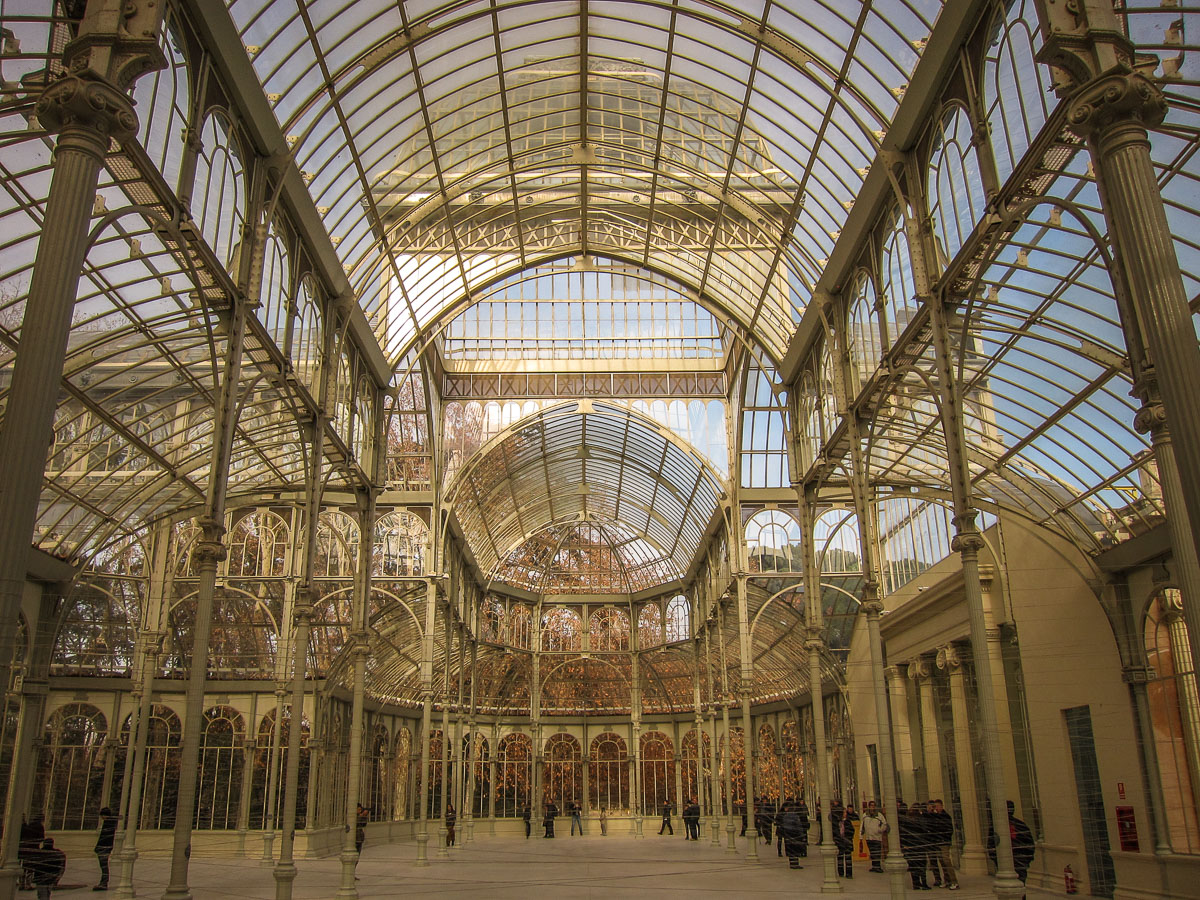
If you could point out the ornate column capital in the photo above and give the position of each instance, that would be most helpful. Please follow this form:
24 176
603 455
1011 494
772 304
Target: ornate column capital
920 668
1116 98
89 101
949 660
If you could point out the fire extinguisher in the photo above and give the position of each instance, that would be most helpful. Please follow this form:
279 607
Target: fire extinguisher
1069 880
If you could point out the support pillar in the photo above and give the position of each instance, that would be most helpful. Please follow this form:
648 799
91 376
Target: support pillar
896 679
922 673
150 641
270 824
974 857
814 644
349 856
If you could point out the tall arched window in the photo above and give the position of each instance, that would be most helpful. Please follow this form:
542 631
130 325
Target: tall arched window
608 629
219 782
258 545
866 346
337 546
773 539
71 767
1175 712
160 791
609 772
696 759
954 186
219 197
305 343
792 762
767 784
482 774
650 625
562 779
899 290
520 626
514 775
272 310
162 99
261 806
400 545
679 619
658 771
733 759
376 770
560 630
402 792
1017 93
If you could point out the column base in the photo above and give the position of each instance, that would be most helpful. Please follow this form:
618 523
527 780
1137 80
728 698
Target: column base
714 826
897 873
443 852
178 892
8 882
346 890
125 859
285 874
268 854
830 883
422 850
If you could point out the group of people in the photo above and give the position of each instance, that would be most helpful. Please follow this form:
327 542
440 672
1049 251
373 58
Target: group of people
690 816
43 864
926 832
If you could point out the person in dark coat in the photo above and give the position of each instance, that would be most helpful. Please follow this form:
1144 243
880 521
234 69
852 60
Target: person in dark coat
1023 847
451 821
941 836
914 842
104 845
802 815
29 847
48 865
666 818
548 819
842 820
526 816
793 831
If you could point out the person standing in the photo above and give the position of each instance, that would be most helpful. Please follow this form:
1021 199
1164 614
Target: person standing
48 866
874 827
792 829
576 811
1023 847
451 821
692 820
843 838
104 845
603 821
941 835
548 819
666 818
802 816
913 841
526 816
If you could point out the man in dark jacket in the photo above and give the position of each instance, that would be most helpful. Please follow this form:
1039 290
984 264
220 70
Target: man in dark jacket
1023 847
526 816
794 840
666 819
940 826
48 866
104 845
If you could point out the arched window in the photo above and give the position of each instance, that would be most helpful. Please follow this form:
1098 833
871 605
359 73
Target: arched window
272 310
436 765
773 539
376 767
258 545
767 784
609 772
219 782
696 774
520 627
305 345
160 790
954 185
1175 712
482 773
899 291
401 541
650 625
337 546
219 197
792 762
764 430
514 775
562 779
679 619
71 767
733 759
362 438
264 811
491 620
162 99
866 345
402 806
658 771
1017 93
609 629
560 630
835 534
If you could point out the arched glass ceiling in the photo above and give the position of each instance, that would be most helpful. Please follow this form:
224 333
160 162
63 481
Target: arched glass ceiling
585 309
583 461
719 143
586 558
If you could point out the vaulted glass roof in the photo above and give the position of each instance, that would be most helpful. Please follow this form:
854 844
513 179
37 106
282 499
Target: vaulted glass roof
582 461
719 143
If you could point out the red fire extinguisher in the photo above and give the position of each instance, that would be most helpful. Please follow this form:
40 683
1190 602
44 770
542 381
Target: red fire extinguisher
1069 880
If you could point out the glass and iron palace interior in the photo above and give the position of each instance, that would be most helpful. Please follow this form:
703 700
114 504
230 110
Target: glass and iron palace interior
611 401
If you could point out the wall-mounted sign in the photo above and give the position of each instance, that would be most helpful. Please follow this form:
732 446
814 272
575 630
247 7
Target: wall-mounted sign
1120 790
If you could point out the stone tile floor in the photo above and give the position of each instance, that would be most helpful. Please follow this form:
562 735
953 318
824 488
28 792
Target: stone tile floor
577 868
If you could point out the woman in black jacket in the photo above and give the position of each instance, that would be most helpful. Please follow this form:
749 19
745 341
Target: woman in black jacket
914 841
